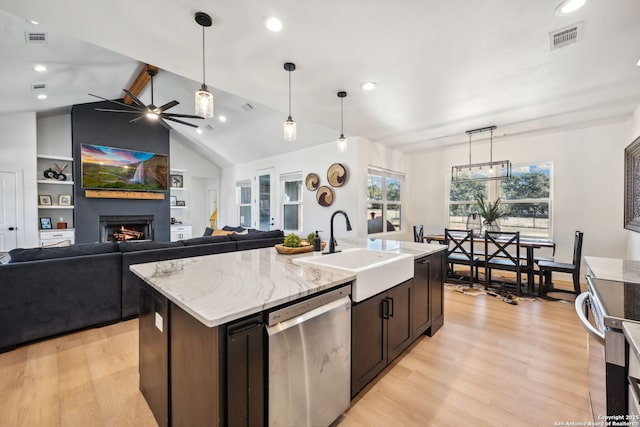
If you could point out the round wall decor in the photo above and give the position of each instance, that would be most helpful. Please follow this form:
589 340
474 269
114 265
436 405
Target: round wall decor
324 196
337 175
312 181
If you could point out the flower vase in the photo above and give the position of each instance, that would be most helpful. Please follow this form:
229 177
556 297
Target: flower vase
490 226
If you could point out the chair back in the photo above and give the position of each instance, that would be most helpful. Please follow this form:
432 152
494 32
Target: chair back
418 233
577 249
503 244
455 241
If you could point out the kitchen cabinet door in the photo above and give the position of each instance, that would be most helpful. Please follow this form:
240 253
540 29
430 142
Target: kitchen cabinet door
421 304
399 319
368 341
245 373
436 282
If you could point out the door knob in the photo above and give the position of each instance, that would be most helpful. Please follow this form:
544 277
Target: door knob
12 228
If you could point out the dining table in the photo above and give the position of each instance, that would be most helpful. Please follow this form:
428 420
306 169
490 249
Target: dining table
530 245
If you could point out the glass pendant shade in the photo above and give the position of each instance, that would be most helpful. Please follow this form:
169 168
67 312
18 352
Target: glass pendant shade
342 144
204 103
289 129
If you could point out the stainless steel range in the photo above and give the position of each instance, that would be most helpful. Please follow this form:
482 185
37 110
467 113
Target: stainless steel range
613 296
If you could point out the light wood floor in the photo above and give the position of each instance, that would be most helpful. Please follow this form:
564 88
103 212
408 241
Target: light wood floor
492 364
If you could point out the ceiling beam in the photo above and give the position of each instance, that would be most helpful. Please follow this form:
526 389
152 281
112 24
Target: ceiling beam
140 82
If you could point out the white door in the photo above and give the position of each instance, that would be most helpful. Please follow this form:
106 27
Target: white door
264 196
8 220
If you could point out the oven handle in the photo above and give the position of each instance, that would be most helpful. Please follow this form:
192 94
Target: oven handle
580 302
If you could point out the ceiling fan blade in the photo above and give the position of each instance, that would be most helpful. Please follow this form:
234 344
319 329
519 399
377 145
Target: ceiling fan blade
164 116
165 124
109 110
168 105
186 116
135 99
142 116
115 102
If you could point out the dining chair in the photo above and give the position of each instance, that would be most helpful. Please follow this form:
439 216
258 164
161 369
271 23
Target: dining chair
546 268
418 233
460 251
502 252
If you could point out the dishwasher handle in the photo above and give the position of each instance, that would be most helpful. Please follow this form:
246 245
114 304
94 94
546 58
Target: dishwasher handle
342 303
581 300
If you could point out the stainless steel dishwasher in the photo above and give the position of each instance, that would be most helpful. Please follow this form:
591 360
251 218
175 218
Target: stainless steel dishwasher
310 360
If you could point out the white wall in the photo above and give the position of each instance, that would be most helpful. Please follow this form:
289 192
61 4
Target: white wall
201 176
54 136
587 183
316 159
633 238
18 155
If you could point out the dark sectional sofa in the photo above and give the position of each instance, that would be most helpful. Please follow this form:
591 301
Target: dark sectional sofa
49 291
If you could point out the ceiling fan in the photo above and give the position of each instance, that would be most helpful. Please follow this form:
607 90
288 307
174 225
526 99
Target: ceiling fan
149 111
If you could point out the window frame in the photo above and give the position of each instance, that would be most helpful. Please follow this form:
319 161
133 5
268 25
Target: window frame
239 186
292 177
494 191
386 174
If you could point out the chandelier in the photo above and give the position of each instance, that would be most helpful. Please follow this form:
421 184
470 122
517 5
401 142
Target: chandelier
491 170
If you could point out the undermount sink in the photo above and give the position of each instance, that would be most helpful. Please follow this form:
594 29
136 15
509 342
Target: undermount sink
375 271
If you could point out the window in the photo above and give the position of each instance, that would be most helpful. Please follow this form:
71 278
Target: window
243 200
525 197
384 201
292 202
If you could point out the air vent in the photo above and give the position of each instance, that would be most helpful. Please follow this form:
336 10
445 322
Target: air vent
247 107
38 86
35 37
565 36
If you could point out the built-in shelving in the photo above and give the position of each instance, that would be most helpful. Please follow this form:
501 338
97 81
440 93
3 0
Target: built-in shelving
54 188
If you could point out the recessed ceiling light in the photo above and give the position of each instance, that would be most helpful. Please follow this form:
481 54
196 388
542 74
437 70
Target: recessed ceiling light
273 24
638 63
42 96
222 118
40 68
199 131
568 6
368 85
31 21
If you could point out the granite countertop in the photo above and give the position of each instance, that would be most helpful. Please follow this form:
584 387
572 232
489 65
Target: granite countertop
217 289
619 270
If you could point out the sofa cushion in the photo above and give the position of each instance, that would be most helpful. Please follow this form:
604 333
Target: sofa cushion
37 254
258 235
205 240
144 246
208 231
236 229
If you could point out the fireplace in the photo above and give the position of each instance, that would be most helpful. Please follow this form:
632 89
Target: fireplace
126 228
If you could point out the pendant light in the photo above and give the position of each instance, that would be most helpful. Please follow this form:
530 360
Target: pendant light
289 124
204 98
342 141
491 170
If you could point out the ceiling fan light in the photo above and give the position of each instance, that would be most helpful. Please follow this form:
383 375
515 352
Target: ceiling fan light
204 103
289 129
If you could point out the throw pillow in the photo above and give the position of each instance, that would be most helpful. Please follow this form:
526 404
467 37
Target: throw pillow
218 232
207 231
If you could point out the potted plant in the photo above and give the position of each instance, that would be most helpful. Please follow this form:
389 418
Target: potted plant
490 213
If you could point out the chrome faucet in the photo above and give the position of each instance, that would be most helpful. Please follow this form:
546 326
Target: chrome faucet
332 240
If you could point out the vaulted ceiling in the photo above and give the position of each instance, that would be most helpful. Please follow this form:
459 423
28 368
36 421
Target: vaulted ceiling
440 67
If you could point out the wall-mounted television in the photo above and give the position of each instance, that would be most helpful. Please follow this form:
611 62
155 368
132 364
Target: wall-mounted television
110 168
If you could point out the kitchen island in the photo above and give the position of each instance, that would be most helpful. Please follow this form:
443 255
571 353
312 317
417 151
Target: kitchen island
202 334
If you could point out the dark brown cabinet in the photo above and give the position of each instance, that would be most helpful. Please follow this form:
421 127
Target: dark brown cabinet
380 331
245 372
427 306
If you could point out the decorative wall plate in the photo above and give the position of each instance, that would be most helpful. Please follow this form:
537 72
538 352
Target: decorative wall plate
324 196
337 175
312 181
